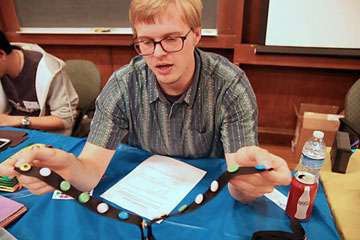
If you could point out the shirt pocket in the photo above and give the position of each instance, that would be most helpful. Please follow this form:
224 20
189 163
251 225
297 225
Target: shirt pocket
201 142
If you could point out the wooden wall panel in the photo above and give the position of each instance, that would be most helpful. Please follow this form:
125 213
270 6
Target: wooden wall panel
8 14
228 53
279 89
227 9
245 54
2 23
251 21
122 56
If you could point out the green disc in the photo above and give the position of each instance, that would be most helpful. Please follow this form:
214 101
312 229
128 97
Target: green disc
65 186
84 197
182 208
233 168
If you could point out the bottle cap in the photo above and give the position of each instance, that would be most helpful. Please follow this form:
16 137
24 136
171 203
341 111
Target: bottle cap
318 134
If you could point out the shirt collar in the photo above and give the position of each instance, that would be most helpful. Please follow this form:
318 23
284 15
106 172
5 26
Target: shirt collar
155 92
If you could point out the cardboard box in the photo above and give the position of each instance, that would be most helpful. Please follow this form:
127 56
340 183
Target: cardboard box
327 123
309 107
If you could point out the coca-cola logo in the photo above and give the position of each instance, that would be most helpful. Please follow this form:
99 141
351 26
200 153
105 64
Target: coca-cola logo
303 203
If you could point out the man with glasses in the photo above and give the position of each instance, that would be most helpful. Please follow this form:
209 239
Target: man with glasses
173 99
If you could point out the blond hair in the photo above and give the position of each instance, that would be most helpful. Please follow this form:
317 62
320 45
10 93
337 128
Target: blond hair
147 10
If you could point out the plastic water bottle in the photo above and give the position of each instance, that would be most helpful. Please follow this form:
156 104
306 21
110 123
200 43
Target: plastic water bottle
313 154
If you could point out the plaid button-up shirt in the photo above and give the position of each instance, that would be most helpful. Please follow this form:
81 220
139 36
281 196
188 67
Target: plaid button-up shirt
217 114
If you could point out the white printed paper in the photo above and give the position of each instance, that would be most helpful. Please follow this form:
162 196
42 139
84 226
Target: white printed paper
155 187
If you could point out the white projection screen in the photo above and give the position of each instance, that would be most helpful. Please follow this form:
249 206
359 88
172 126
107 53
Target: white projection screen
329 27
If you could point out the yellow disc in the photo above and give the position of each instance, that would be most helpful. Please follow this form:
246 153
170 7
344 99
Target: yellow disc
25 167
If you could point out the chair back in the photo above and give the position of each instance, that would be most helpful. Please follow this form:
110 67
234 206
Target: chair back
86 80
352 104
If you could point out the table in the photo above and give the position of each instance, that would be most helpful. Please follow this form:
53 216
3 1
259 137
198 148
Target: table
343 194
221 218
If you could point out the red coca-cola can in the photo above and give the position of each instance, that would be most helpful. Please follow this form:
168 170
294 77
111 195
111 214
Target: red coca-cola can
302 195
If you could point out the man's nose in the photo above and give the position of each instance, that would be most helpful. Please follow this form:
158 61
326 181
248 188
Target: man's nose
159 50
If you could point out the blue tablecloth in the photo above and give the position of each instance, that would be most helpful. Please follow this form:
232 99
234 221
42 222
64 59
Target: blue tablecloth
221 218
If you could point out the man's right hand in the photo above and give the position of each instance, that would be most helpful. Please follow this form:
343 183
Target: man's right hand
83 172
54 159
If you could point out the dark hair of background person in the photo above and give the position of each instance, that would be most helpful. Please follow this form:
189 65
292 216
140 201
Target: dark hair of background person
4 43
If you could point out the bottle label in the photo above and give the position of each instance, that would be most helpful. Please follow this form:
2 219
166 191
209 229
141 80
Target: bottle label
316 163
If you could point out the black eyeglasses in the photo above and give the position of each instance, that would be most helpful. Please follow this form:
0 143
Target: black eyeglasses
168 44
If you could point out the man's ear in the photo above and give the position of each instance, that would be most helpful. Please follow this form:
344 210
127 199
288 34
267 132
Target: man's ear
197 33
2 54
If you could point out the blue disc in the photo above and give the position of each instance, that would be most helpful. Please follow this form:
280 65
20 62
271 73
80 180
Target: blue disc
260 167
123 215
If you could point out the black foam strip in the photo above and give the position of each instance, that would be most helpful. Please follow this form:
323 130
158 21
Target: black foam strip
54 180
